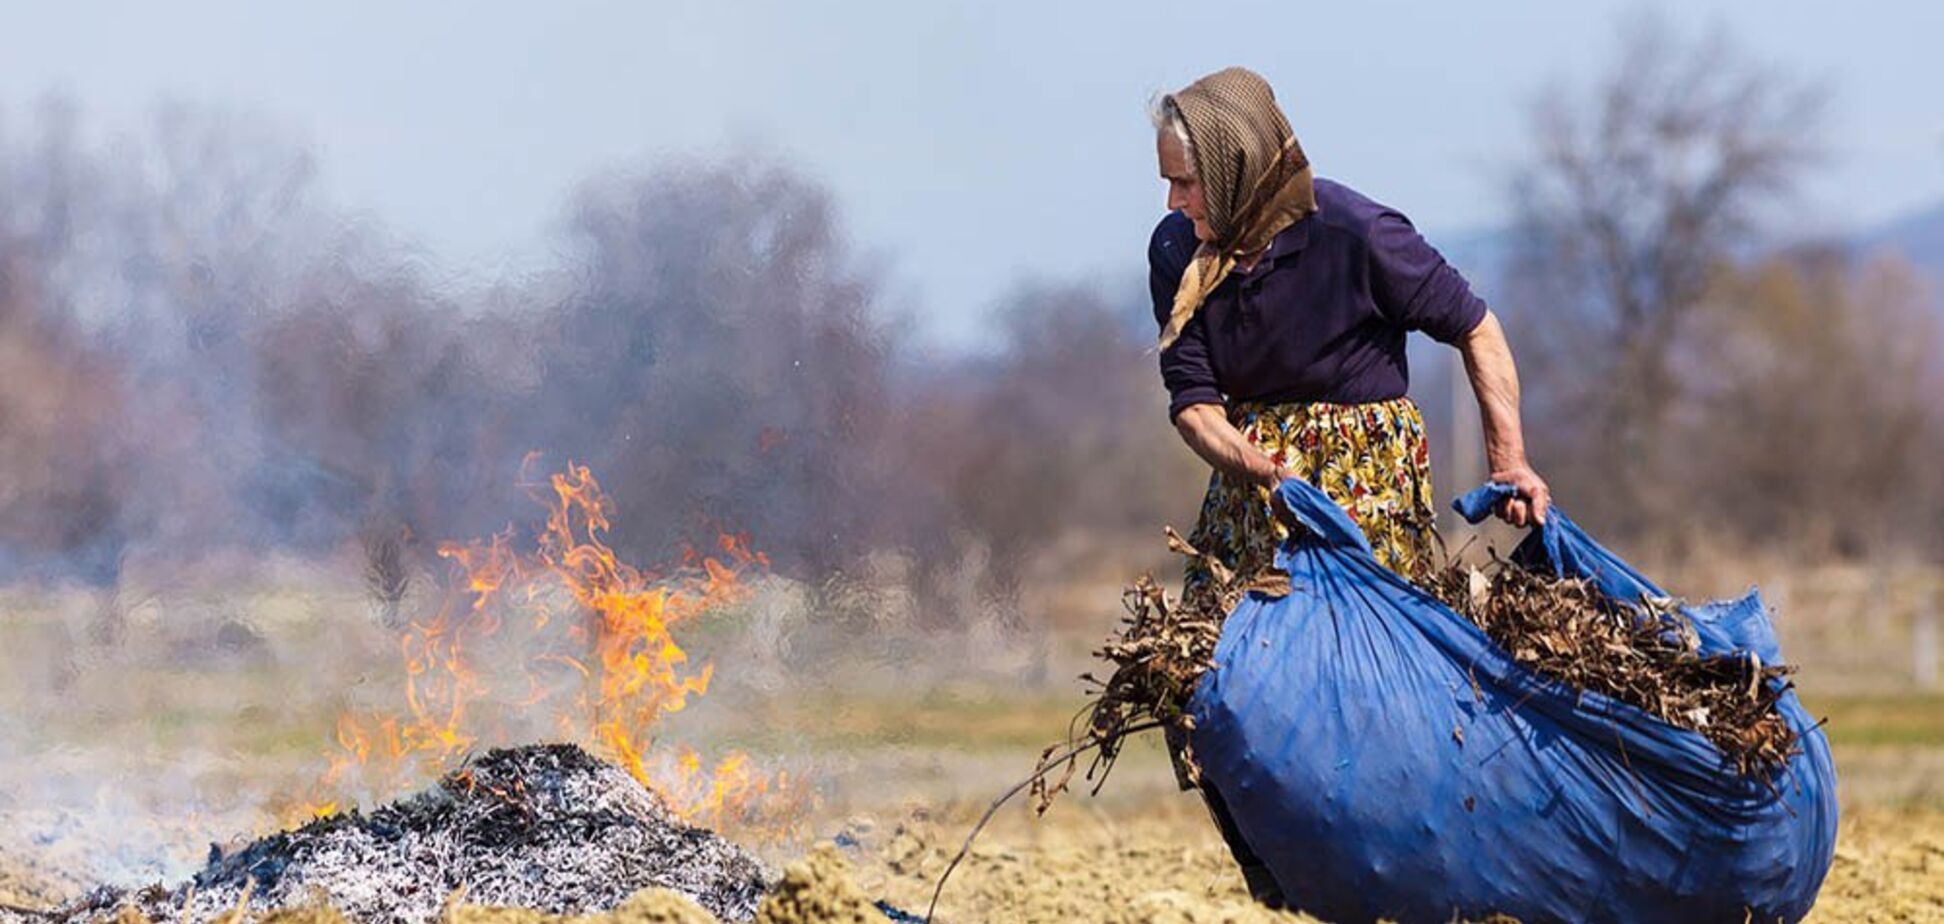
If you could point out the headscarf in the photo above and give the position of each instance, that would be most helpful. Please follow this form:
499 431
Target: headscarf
1255 179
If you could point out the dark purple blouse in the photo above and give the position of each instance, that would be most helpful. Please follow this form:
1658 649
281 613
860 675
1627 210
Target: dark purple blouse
1322 315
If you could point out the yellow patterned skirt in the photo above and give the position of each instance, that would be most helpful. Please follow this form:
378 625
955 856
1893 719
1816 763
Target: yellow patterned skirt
1372 459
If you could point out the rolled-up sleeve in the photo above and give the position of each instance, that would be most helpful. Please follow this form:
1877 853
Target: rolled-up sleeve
1414 287
1185 368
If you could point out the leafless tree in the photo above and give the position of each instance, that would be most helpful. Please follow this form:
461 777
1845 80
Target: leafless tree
1635 193
710 345
1061 436
163 250
723 358
1811 422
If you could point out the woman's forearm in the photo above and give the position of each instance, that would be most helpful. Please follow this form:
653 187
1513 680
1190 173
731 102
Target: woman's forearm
1206 430
1495 380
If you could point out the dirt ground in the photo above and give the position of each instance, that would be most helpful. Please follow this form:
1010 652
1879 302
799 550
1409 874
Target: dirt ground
1165 865
125 765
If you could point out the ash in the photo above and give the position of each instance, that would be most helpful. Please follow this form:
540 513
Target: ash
546 827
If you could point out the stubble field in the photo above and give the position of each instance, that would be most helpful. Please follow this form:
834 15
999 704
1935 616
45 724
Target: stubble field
209 718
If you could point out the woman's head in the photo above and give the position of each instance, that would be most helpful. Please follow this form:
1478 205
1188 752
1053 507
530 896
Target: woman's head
1176 152
1233 167
1225 149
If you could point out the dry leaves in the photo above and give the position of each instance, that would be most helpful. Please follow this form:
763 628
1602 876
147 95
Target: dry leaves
1643 653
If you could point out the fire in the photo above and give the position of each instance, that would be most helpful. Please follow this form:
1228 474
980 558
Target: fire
594 652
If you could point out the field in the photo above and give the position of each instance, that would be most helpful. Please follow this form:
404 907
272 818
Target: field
207 718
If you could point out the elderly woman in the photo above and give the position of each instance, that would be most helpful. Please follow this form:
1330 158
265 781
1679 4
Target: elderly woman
1284 301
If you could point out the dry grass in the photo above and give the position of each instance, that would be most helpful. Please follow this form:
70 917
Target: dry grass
1889 868
162 742
1165 862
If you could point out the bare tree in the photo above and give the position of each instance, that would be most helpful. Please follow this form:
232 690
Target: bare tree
163 251
1636 192
722 359
1062 436
63 467
1812 422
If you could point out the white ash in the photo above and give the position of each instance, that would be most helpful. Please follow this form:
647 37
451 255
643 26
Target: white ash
546 827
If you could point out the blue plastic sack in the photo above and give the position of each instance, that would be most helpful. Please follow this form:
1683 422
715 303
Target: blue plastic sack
1386 760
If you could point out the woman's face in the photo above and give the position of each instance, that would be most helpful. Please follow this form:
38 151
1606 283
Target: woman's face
1184 187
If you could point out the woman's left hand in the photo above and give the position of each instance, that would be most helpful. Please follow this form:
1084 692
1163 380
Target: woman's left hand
1532 501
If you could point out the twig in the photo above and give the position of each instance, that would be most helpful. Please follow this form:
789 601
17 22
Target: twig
1045 767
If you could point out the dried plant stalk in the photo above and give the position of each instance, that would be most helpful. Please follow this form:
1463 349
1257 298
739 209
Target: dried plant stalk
1159 654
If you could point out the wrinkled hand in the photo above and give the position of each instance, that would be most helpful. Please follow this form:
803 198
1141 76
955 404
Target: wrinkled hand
1276 506
1532 501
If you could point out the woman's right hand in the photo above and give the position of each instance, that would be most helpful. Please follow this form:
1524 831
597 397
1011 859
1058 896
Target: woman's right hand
1276 506
1207 430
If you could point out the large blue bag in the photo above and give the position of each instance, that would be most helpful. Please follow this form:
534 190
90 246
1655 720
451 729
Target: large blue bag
1387 760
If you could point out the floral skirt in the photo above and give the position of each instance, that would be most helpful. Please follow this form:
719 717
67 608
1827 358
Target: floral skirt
1372 459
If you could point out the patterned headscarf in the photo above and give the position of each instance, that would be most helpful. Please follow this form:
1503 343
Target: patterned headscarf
1255 179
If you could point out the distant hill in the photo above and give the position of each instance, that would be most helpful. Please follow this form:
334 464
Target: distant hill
1918 237
1482 253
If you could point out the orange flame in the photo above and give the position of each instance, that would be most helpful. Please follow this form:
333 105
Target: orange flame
621 661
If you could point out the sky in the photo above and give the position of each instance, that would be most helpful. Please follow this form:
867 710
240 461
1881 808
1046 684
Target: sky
968 144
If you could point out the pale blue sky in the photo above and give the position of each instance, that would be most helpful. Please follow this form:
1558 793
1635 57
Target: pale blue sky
968 143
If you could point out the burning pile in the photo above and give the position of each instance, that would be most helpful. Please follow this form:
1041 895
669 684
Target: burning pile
1644 654
562 639
545 827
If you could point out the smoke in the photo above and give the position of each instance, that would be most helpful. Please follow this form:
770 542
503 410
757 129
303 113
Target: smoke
216 362
207 358
240 422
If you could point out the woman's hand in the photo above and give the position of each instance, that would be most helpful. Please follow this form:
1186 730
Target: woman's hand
1277 508
1206 430
1533 499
